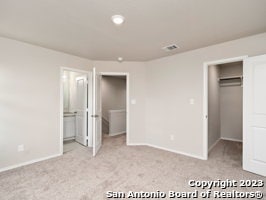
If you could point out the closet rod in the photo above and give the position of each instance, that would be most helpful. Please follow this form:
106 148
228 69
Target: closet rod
230 77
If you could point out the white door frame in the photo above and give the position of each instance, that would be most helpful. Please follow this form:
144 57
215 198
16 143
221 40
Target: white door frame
205 97
62 69
127 98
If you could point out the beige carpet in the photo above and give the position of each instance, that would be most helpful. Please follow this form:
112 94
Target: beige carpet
78 176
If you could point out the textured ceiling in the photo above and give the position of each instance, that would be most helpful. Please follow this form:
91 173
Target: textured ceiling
84 28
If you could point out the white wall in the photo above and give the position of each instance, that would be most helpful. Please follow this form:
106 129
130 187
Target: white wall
213 105
113 94
173 80
137 91
30 100
231 102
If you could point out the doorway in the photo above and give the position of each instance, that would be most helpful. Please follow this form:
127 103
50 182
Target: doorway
223 103
115 105
76 129
225 111
253 109
89 98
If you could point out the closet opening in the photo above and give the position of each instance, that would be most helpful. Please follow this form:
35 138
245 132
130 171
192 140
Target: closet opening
225 110
114 101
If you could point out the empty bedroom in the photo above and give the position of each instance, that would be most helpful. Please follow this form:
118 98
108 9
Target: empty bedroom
132 99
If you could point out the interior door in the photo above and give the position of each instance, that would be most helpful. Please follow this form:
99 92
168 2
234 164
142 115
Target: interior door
97 113
81 109
254 113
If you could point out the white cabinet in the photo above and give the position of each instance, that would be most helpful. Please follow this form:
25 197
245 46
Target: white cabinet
69 127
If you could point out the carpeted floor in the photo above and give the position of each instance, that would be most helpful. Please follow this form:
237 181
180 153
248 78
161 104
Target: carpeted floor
78 176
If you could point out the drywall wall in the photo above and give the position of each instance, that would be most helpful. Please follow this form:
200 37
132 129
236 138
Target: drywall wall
113 94
231 103
137 92
213 105
30 100
171 83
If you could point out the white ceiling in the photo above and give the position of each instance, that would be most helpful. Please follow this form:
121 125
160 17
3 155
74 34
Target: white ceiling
84 28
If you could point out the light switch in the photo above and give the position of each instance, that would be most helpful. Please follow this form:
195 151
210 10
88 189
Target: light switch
172 137
133 101
20 147
192 101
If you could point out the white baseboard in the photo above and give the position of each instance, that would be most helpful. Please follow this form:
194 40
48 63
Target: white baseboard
223 138
69 138
214 144
137 144
118 133
166 149
178 152
231 139
28 162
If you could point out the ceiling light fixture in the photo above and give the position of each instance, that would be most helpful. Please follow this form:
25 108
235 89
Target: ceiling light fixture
118 19
120 59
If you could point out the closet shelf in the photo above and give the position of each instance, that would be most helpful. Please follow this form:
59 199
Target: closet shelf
231 81
230 77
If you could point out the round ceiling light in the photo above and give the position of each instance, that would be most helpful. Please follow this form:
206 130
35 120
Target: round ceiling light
120 59
118 19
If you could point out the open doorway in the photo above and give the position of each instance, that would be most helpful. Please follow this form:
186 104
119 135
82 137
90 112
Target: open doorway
75 102
223 106
86 114
250 85
114 101
225 109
